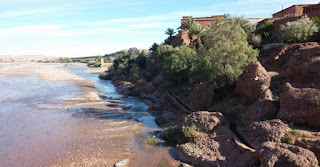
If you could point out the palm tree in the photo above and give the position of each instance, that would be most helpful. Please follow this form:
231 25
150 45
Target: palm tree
198 31
189 25
170 32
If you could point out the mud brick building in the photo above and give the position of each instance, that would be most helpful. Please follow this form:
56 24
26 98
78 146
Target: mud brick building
205 22
293 13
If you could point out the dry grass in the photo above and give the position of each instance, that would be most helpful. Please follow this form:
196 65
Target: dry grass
293 135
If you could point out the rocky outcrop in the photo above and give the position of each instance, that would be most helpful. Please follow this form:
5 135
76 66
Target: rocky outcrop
304 65
201 97
203 120
300 105
125 87
259 132
279 154
269 56
301 62
310 144
262 109
215 145
253 81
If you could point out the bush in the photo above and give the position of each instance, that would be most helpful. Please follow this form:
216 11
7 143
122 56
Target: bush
160 121
151 141
298 31
224 55
245 24
254 40
94 64
178 63
179 135
141 61
64 60
316 37
293 135
265 30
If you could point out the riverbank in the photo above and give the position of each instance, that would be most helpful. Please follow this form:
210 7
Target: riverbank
87 124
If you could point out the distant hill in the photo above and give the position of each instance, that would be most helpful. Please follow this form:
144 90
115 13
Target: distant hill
131 50
25 58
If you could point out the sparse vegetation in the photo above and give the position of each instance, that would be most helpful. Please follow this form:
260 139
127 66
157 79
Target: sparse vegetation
293 135
151 141
179 135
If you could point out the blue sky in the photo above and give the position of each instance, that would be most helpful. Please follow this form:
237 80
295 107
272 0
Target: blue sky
91 27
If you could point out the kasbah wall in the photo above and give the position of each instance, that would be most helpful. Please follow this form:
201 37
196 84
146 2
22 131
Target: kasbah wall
294 13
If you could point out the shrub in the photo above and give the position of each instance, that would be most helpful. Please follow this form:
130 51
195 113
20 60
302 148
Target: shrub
179 135
154 47
106 75
298 31
265 30
160 121
141 61
134 93
245 24
64 60
316 37
293 135
224 55
173 136
178 63
151 141
94 64
190 131
254 40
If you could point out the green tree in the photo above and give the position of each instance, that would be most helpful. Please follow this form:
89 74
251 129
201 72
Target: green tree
154 47
178 63
245 24
170 32
198 31
298 31
265 30
224 54
189 25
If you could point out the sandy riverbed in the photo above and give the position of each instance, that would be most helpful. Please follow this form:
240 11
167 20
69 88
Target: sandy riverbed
82 130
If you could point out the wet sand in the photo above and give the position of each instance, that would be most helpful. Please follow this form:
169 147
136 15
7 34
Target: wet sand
79 126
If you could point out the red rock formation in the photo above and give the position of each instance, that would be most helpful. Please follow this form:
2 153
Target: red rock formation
215 145
253 81
280 154
264 108
259 132
201 97
300 105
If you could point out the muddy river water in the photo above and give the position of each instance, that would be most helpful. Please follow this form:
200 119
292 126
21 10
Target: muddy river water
35 132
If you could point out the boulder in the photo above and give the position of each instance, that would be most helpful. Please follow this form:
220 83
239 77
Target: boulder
304 65
215 145
201 96
259 132
203 120
262 109
310 144
253 81
300 105
279 154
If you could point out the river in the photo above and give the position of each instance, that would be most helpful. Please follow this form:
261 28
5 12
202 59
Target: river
34 132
